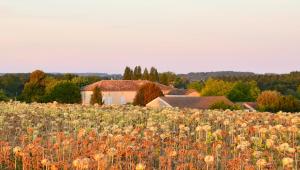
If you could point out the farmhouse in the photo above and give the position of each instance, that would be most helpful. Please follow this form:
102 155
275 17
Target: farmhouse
187 102
117 92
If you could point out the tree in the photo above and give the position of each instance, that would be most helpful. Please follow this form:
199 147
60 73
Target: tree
298 92
216 88
3 96
163 79
64 92
128 74
34 90
167 78
145 74
244 92
137 73
153 75
147 93
269 101
97 96
289 104
196 85
181 83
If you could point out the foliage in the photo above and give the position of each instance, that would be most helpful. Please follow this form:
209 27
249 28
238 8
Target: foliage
167 78
224 106
196 85
286 84
269 101
137 73
97 96
298 92
217 88
13 84
3 96
145 74
244 92
63 92
289 104
34 90
153 76
181 83
128 74
55 136
147 93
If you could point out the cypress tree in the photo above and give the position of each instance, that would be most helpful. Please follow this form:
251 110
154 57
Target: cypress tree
145 74
97 96
153 75
127 74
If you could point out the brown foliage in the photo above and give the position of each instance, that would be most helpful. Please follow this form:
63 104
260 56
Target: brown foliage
147 93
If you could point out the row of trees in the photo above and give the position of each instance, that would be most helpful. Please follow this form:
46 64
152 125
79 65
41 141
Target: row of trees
137 74
166 78
236 91
273 101
46 88
286 84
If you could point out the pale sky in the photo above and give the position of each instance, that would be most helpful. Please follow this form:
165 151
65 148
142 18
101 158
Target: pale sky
177 35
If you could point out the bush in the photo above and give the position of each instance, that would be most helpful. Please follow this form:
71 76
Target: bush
244 92
147 93
269 101
224 106
97 96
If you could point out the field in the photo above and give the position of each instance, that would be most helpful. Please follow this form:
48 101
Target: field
53 136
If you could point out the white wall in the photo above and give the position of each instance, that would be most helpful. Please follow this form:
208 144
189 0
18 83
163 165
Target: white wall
111 97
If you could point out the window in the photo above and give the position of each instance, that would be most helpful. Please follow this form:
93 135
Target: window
122 100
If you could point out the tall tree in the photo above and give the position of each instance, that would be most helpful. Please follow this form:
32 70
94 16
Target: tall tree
34 90
153 75
127 74
97 96
196 85
137 73
145 74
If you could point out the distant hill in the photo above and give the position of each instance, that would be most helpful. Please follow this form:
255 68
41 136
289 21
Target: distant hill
205 75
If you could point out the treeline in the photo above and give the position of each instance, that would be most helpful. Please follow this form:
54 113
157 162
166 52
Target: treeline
249 91
286 84
41 87
166 78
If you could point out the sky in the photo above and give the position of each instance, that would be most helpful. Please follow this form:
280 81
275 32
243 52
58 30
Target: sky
182 36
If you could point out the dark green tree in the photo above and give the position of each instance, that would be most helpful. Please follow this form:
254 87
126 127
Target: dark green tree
137 73
64 92
181 83
97 96
289 104
244 92
3 96
145 74
128 74
163 79
147 93
154 75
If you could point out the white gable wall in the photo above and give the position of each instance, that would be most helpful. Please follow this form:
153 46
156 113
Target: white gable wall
110 97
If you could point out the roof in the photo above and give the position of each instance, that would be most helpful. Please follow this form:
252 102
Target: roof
181 92
195 102
248 105
122 85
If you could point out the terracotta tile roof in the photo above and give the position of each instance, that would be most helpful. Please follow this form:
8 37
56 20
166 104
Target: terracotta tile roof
195 102
181 92
121 85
